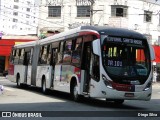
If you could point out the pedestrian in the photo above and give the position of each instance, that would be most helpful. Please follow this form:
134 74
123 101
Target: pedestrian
154 76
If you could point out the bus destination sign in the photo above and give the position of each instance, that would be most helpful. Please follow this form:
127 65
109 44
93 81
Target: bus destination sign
124 40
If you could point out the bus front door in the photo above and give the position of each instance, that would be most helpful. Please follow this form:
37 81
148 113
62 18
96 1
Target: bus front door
86 65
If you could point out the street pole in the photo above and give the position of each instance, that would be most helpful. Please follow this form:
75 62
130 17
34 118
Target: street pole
91 11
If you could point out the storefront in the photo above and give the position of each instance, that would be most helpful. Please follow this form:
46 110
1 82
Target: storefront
6 45
156 62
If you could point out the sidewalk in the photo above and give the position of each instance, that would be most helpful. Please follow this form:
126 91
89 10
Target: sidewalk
156 85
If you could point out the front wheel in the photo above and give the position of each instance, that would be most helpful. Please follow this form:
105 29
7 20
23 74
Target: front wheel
44 90
18 82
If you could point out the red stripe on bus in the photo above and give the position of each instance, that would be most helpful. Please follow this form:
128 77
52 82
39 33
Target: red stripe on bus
123 87
89 33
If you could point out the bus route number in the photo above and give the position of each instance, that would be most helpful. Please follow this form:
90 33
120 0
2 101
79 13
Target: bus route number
114 63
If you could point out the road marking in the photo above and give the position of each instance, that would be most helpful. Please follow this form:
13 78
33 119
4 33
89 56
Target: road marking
8 89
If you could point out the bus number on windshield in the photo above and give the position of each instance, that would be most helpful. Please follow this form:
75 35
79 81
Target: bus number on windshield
114 63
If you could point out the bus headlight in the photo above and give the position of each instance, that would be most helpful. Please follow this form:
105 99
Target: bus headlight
107 82
147 86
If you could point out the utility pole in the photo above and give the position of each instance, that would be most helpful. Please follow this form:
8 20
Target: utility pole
91 11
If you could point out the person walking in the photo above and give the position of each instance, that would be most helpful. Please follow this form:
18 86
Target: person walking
154 77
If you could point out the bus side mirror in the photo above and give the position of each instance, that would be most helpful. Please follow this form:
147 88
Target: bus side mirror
152 53
95 46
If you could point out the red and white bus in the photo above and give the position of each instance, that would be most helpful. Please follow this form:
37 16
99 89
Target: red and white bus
90 61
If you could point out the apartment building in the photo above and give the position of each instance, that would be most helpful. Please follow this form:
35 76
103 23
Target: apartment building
18 17
140 15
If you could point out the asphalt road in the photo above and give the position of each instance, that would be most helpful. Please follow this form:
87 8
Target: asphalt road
59 105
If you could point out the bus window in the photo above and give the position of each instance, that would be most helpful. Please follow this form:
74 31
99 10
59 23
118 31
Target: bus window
76 54
60 54
11 59
30 57
27 55
55 45
94 68
48 54
54 56
21 58
67 51
16 58
43 55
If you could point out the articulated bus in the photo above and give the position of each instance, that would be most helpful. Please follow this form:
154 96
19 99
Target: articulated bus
90 61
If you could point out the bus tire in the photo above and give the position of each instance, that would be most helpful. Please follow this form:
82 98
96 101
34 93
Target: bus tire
74 92
44 90
18 81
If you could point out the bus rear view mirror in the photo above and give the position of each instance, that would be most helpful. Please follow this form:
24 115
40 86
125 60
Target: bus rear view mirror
95 45
152 53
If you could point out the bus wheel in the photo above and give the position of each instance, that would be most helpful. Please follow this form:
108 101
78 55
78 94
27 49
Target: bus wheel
118 102
74 92
18 81
44 86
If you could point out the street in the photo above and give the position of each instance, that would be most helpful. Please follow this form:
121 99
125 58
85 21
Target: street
31 99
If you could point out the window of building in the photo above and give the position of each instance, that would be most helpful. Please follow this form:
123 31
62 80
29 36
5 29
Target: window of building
27 16
27 22
15 13
147 16
16 0
28 2
83 11
54 11
119 10
28 9
15 6
15 20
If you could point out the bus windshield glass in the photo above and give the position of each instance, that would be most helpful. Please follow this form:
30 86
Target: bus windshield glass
125 59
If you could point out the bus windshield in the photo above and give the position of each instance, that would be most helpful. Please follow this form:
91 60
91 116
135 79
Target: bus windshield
125 59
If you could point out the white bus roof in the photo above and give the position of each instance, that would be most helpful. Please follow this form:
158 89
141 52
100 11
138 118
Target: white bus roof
26 44
97 29
58 36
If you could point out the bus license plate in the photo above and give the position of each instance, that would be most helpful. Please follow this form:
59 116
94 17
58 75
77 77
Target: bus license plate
129 95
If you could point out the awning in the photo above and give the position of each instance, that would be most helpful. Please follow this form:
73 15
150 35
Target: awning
5 50
157 53
7 44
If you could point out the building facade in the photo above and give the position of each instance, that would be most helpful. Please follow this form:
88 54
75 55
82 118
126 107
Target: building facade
18 17
140 15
